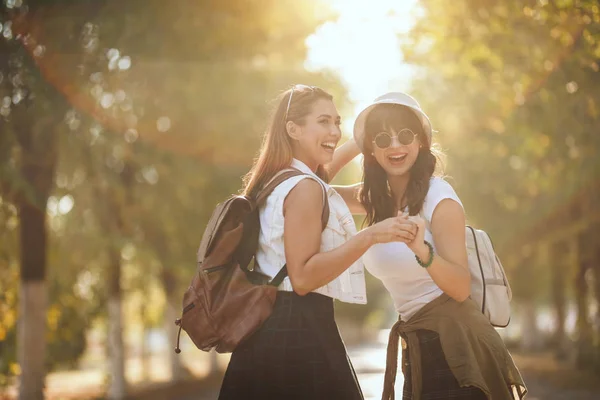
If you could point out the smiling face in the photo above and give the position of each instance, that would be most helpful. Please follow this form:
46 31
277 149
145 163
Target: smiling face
316 136
394 135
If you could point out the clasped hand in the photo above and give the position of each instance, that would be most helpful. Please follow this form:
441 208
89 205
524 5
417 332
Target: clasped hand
401 228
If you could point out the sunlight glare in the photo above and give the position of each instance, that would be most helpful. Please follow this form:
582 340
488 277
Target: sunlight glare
65 204
362 46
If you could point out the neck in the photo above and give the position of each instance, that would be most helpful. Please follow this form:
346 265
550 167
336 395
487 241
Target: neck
398 185
310 164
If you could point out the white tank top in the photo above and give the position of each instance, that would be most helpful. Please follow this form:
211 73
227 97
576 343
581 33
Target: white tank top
409 284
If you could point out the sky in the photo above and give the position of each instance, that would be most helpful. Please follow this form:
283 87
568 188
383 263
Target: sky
363 47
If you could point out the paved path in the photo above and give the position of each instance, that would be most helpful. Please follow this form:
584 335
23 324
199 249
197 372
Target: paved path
369 363
541 376
539 390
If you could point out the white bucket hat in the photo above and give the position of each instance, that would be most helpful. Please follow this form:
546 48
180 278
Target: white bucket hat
390 98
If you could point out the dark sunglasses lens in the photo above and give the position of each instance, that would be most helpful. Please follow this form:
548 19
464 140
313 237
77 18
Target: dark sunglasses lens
406 137
383 141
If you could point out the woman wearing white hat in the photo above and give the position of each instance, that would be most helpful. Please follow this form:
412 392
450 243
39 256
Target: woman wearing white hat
450 350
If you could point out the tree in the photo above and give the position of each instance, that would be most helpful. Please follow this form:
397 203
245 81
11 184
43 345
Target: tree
115 121
515 100
31 158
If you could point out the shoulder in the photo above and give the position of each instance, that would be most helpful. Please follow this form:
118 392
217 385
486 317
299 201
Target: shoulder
308 184
304 199
305 182
438 184
439 189
304 190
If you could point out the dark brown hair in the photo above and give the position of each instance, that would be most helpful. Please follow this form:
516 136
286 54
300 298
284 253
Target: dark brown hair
276 150
376 195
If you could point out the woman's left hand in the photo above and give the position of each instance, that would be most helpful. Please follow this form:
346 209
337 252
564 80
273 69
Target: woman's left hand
418 245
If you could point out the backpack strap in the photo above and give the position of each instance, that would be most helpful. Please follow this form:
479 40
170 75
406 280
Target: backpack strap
266 191
281 275
284 176
278 179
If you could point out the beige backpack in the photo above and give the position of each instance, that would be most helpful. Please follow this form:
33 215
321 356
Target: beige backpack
489 286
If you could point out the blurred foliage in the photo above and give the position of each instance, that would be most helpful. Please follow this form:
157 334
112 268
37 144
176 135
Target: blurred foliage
516 100
157 112
514 89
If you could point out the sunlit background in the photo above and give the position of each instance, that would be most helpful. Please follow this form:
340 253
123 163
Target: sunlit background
362 46
122 125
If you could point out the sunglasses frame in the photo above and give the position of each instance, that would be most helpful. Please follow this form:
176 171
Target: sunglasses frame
397 135
295 87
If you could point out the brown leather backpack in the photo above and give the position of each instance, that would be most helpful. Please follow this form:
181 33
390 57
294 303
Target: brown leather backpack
228 298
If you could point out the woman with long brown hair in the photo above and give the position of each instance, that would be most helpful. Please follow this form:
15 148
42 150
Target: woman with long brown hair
450 349
298 353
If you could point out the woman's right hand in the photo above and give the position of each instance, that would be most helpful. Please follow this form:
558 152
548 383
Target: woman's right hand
394 229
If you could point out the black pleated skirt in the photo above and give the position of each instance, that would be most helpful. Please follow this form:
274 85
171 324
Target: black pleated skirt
438 380
297 354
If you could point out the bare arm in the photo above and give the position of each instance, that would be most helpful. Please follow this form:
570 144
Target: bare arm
449 269
309 269
342 156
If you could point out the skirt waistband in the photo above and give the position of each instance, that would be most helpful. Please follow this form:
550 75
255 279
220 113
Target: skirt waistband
313 300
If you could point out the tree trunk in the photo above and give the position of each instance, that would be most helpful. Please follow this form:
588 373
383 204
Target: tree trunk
584 329
594 257
584 337
31 346
117 389
172 312
117 226
33 302
38 143
145 350
558 297
531 338
596 324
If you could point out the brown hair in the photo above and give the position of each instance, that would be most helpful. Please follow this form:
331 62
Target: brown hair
276 150
376 195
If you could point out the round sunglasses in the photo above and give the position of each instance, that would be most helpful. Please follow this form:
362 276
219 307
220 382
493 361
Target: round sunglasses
383 140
